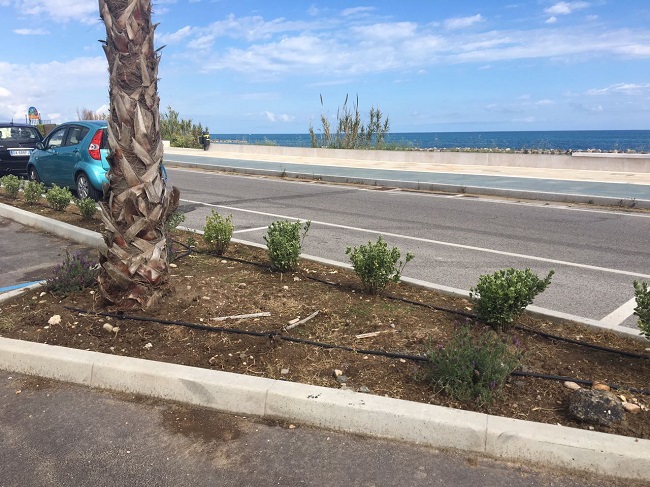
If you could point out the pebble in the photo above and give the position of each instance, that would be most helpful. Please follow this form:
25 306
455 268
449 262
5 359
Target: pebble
173 266
364 390
148 346
600 387
54 320
342 379
571 385
284 371
338 373
108 327
631 408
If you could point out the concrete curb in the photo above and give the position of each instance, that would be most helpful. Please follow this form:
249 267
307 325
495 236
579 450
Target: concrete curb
435 187
342 410
55 227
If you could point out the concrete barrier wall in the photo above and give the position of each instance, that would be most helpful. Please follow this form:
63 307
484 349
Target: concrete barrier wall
594 162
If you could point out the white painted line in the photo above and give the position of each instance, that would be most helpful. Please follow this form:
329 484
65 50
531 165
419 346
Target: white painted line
251 230
619 315
434 242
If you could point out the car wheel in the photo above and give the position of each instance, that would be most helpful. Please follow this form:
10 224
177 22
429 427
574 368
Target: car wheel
85 189
32 174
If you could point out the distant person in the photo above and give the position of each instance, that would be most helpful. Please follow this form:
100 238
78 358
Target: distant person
205 140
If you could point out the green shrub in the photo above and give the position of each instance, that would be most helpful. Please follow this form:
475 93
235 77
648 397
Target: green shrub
376 265
58 198
642 310
174 220
33 191
284 244
217 232
11 185
87 207
76 273
472 368
501 297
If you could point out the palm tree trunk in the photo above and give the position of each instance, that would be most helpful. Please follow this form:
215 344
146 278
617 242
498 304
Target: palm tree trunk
137 202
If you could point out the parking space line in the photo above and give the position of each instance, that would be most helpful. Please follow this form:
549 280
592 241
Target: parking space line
620 314
251 230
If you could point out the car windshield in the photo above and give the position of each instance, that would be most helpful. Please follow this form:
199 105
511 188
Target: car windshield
19 134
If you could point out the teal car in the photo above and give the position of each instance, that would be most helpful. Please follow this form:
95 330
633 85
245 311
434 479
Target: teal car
73 155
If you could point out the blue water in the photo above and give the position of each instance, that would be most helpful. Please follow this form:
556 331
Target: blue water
575 140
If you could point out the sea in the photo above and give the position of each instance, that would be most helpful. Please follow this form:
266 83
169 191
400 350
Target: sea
571 140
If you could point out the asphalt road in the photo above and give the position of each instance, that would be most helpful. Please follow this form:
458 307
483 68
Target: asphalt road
28 255
61 434
596 254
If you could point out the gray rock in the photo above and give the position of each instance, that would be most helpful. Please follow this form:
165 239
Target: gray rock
596 407
364 390
341 379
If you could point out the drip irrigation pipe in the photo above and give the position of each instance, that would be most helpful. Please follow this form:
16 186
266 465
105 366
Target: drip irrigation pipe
471 316
577 381
518 327
271 335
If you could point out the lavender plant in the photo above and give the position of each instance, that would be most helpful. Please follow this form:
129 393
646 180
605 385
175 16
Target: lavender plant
473 368
76 273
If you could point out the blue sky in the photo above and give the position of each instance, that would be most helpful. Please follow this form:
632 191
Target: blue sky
260 66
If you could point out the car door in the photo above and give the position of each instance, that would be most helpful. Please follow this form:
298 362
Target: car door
47 160
70 154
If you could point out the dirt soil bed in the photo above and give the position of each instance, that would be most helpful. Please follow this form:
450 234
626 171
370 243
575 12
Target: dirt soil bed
206 287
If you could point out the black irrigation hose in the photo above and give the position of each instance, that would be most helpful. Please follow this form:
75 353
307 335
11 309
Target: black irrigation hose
266 334
276 335
518 327
577 381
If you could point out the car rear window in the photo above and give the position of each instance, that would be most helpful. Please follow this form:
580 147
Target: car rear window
19 134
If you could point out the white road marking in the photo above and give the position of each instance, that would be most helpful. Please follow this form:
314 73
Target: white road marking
433 242
251 230
620 314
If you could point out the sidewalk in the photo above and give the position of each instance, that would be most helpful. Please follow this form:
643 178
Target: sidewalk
608 187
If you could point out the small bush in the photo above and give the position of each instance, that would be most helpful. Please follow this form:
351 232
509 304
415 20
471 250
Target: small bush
284 244
11 185
642 310
58 198
87 207
76 273
469 368
217 232
33 191
376 265
174 220
501 297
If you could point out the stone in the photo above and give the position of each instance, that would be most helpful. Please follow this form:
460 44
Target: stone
598 386
631 408
108 327
338 373
284 371
596 407
571 385
342 379
364 390
54 320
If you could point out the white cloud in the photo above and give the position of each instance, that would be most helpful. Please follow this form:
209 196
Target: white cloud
621 88
357 11
280 117
4 92
566 8
386 31
31 32
79 82
85 11
551 20
462 22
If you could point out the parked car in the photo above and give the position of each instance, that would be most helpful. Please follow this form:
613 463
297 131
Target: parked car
73 155
17 141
